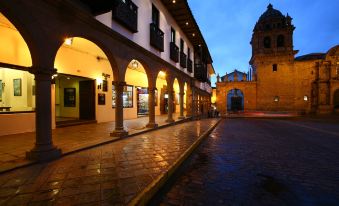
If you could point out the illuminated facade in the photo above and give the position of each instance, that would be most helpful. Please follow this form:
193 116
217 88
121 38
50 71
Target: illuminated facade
279 81
98 61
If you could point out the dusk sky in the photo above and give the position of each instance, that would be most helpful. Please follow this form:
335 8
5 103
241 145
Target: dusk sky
227 27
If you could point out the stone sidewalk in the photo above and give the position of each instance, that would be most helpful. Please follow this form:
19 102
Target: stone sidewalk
111 174
14 147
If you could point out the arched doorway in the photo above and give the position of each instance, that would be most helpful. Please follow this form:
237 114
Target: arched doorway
235 100
82 89
336 101
17 85
135 95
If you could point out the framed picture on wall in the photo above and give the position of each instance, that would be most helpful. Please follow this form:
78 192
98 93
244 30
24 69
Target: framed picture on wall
33 90
69 97
101 99
17 87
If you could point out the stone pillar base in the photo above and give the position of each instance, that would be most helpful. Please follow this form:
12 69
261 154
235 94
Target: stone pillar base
182 117
169 120
119 133
152 125
43 155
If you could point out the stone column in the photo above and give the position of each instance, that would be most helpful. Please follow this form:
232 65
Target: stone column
119 110
44 149
182 94
151 108
170 105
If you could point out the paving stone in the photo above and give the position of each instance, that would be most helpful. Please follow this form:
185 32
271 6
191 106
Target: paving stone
109 174
261 162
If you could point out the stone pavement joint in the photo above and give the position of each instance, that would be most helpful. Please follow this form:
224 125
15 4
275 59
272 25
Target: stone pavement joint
111 174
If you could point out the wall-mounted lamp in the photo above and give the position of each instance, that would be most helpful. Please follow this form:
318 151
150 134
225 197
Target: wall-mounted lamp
305 98
99 83
276 99
68 41
3 85
135 64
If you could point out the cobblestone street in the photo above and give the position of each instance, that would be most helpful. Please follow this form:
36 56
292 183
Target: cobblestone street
112 174
261 162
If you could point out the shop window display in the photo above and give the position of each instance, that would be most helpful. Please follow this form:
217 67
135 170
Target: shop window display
142 98
127 96
16 91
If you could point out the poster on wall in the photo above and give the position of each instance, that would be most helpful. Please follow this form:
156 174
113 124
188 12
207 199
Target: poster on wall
17 87
0 90
101 99
127 96
69 97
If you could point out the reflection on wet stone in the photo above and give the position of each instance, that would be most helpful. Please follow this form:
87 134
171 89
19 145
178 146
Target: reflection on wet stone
111 174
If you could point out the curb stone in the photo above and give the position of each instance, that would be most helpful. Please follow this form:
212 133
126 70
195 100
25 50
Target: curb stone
146 195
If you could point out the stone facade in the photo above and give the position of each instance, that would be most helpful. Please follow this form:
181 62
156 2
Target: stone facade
281 82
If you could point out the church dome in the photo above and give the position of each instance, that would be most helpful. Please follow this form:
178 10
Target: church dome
271 13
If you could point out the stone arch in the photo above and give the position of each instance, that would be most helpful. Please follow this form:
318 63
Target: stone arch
235 99
23 40
101 45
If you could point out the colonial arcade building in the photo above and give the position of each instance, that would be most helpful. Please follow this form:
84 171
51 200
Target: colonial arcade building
279 81
65 61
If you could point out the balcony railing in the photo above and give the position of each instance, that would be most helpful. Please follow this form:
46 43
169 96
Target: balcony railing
183 58
200 72
189 65
156 37
174 52
126 13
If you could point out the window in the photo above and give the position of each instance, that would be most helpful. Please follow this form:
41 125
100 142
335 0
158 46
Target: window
281 41
17 91
188 53
155 16
172 35
181 45
267 42
127 96
275 67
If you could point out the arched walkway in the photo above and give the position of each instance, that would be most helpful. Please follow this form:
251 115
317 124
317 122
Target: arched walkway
84 73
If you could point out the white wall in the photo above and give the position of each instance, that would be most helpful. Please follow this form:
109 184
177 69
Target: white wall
143 35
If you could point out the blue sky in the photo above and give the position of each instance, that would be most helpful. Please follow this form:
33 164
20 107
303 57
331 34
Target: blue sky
227 27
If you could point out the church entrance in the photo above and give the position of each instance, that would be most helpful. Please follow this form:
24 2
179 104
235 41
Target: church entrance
235 100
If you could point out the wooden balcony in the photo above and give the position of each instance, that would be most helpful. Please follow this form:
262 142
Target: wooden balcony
126 13
183 59
189 65
200 72
174 52
156 37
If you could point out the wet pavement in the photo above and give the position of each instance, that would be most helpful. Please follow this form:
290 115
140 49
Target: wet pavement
261 162
111 174
13 148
